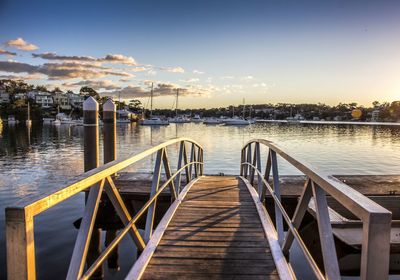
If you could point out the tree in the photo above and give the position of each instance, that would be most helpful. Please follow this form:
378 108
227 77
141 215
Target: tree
41 88
135 104
376 104
88 91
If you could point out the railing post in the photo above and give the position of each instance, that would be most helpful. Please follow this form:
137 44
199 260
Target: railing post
192 158
241 162
154 188
325 233
254 163
91 161
375 251
180 159
278 214
20 245
202 161
110 154
248 160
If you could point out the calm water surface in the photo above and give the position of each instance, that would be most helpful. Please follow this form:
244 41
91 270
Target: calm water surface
40 160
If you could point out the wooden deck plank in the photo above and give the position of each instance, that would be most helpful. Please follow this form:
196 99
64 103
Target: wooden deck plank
216 233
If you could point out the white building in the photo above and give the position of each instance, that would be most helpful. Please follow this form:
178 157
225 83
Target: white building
4 97
44 99
62 99
76 100
375 115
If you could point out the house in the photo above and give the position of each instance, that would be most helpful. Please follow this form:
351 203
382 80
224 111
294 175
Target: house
44 99
4 97
61 99
375 115
75 100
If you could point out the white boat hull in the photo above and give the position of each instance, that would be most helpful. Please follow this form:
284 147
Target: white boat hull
154 122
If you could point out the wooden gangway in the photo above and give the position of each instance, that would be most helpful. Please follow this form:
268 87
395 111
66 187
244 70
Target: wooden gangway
215 233
216 227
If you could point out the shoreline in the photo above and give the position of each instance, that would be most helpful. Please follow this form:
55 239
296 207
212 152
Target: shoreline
331 122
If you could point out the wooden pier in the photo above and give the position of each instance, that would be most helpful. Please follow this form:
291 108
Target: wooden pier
215 233
214 227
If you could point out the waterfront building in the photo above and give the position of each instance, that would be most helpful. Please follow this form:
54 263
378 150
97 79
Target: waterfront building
61 99
4 97
44 99
76 100
375 115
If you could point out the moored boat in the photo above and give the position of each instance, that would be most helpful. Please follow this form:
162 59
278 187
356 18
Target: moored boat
12 120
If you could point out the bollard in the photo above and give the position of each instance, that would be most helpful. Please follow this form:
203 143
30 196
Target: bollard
91 134
91 161
110 131
110 148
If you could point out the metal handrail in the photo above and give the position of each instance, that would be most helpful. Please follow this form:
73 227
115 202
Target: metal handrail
20 220
376 219
125 230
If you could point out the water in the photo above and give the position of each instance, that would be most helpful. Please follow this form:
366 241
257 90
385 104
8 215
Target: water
40 160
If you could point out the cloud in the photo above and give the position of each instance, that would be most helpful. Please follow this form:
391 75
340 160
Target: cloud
4 52
97 85
227 77
176 70
197 72
139 69
264 85
21 44
59 71
109 58
247 78
21 77
192 80
119 58
54 56
160 89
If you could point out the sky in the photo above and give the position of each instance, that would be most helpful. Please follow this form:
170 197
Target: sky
216 53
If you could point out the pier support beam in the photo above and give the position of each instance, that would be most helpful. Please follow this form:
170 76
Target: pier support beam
91 161
110 154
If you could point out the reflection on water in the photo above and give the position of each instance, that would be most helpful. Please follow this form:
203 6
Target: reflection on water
38 160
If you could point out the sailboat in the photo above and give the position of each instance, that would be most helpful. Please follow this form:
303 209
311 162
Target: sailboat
29 121
238 120
178 119
153 120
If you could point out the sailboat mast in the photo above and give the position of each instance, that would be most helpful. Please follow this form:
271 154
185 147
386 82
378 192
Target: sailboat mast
29 112
243 108
176 108
151 101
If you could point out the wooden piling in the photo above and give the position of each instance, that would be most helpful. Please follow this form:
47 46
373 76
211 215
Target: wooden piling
109 131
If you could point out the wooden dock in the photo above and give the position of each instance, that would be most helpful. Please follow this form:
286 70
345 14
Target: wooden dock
214 227
216 233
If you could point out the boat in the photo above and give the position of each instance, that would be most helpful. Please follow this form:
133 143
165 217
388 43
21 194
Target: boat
153 120
238 120
12 121
56 122
296 119
177 118
64 119
197 119
78 122
47 120
212 121
123 121
29 121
